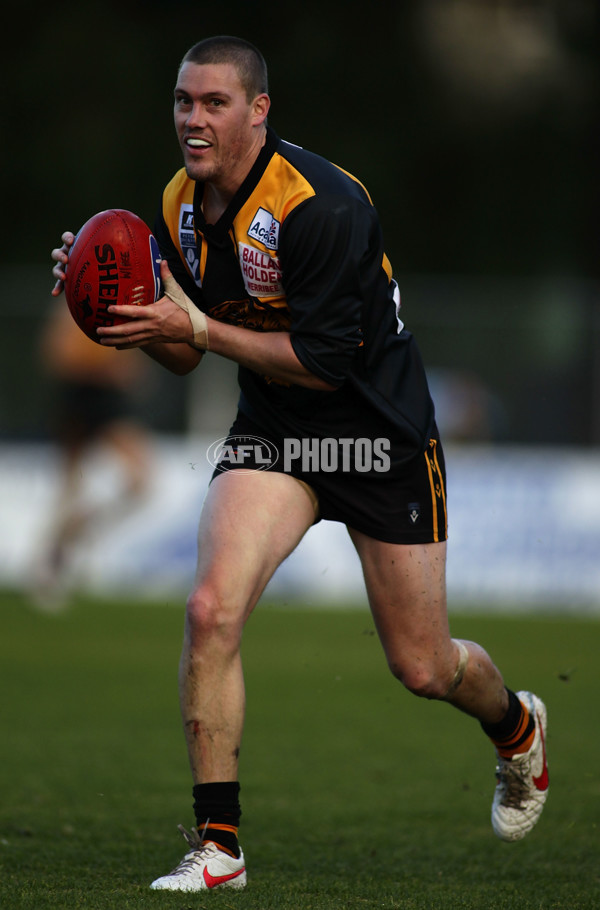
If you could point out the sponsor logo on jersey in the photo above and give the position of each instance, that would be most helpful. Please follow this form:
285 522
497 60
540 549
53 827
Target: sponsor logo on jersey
265 228
187 239
261 272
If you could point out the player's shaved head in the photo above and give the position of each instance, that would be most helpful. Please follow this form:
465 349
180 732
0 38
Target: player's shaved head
245 57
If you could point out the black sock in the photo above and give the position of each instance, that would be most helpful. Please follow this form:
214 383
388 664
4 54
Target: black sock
513 733
217 810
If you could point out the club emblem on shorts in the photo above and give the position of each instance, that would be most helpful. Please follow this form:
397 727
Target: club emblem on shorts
414 511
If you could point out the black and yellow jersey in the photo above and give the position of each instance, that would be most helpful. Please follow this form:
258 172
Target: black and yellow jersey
300 249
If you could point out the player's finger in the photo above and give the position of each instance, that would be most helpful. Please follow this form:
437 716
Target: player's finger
131 337
127 311
119 334
60 255
58 273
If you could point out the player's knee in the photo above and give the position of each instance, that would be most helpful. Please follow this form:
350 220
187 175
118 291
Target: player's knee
426 679
210 622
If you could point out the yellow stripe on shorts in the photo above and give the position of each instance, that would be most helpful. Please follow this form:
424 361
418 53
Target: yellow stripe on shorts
438 491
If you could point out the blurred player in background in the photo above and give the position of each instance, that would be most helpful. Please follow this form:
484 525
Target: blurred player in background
276 262
92 408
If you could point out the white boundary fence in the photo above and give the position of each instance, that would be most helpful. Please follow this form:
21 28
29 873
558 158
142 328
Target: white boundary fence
524 530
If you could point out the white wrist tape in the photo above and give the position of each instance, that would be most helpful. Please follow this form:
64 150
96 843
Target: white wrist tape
196 316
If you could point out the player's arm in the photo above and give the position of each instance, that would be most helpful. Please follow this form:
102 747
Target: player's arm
329 255
175 322
326 242
268 353
176 318
177 358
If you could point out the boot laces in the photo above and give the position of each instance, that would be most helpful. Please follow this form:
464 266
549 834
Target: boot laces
197 854
513 777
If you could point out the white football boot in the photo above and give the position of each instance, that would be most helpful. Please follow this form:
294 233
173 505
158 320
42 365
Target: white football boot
203 868
522 780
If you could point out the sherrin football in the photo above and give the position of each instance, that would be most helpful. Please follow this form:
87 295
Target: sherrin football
114 253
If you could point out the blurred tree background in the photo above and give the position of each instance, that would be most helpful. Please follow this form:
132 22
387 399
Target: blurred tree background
473 123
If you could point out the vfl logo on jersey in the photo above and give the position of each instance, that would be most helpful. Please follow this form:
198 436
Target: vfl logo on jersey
265 228
261 272
187 239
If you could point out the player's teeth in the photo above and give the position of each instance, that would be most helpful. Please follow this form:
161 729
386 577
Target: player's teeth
198 143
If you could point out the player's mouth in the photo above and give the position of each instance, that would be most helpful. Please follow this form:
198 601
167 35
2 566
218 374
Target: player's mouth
196 143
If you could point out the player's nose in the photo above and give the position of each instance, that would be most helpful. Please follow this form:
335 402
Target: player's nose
196 118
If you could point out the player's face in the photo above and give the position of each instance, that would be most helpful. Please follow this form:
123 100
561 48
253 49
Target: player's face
219 131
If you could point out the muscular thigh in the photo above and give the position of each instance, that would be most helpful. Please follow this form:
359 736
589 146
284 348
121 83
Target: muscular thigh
407 594
250 522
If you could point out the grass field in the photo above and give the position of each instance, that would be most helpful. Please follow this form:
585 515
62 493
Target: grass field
355 793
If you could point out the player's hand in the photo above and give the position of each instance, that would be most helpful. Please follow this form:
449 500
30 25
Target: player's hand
172 318
61 257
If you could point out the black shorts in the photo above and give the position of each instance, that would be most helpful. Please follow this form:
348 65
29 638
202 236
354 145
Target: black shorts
404 504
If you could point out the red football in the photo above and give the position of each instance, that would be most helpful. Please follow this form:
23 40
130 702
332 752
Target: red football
113 254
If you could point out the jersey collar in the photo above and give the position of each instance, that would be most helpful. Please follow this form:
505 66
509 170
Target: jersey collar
219 232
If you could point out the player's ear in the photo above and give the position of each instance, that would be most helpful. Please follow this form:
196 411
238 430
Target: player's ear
260 109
